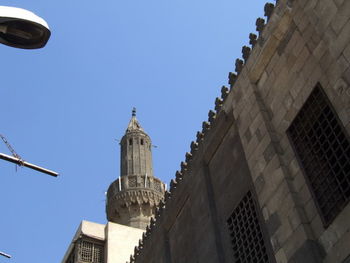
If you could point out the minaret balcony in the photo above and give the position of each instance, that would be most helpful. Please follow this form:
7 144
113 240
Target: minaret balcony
132 182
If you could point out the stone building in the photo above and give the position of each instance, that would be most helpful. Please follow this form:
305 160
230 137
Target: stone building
268 177
131 202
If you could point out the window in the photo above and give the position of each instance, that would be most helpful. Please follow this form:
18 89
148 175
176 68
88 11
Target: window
141 141
245 231
90 252
130 141
323 151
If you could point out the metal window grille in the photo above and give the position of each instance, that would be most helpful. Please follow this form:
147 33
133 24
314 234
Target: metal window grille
90 252
323 150
97 255
86 251
246 234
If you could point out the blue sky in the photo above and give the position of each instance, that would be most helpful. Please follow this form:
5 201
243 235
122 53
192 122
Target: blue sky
64 106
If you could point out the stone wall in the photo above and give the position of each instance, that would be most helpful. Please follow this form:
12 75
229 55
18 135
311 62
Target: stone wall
244 146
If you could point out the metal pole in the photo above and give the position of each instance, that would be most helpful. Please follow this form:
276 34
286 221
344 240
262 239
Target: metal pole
4 254
15 160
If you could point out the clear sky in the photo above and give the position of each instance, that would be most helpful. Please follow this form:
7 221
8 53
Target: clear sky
64 106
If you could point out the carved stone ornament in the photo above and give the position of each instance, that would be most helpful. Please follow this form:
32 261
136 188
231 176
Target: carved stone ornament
245 53
224 92
238 65
178 176
253 39
194 146
173 185
205 126
199 136
211 116
218 104
167 196
188 157
268 10
183 166
232 77
260 24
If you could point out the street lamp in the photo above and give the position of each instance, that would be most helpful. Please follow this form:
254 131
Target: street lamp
21 28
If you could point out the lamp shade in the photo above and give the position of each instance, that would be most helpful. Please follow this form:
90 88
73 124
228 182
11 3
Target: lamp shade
21 28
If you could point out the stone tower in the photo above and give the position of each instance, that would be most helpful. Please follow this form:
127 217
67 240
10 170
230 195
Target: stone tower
134 196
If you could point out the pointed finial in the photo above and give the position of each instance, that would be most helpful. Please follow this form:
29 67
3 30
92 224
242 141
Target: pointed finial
133 112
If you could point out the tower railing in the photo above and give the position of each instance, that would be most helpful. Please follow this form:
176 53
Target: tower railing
131 182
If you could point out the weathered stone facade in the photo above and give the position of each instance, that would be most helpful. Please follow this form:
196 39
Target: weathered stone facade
244 148
133 198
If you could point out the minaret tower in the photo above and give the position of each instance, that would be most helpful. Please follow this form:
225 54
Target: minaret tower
134 196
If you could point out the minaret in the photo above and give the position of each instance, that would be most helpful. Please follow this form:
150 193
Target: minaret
134 196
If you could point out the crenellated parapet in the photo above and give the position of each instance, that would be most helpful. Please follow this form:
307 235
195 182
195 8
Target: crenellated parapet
207 126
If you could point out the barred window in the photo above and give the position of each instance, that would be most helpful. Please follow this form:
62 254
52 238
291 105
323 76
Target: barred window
323 151
90 252
86 251
246 235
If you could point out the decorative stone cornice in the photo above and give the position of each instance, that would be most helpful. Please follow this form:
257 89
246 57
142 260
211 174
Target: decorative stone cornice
129 197
133 197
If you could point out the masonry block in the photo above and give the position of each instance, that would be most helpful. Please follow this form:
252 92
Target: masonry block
310 252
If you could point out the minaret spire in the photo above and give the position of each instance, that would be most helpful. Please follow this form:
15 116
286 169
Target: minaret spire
132 199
